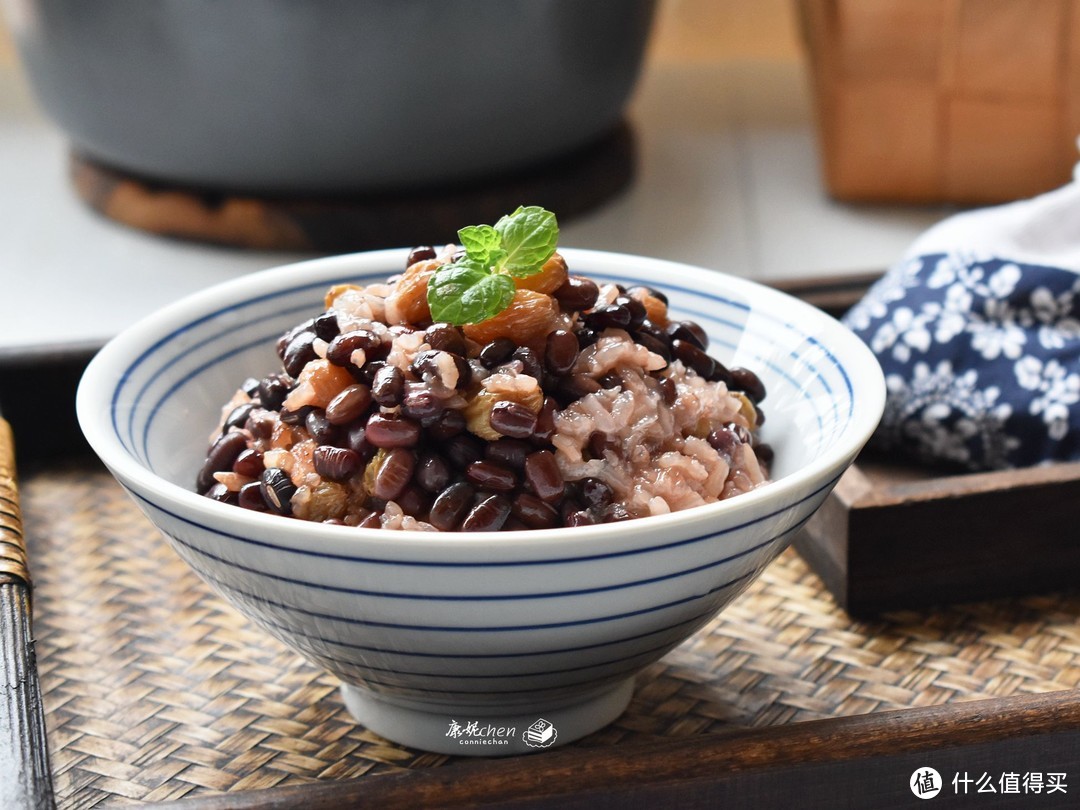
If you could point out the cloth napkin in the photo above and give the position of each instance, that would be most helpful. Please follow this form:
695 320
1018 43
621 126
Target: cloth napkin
977 329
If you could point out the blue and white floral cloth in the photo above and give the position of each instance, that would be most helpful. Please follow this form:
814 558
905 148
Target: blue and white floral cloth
977 330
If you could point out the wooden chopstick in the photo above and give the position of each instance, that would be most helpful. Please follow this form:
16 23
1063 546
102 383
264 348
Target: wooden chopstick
25 778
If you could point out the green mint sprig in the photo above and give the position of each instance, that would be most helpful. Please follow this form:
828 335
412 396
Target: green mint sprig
480 285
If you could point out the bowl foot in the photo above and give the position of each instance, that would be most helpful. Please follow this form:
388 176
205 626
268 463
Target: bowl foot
467 732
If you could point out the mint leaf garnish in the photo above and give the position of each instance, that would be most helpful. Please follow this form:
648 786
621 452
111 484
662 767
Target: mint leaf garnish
529 236
468 293
479 241
479 285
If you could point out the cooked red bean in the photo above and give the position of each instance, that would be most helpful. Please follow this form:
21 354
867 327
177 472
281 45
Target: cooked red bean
487 516
261 425
744 380
320 428
599 444
635 308
513 419
296 417
284 341
577 293
220 457
433 473
533 512
350 403
575 386
220 492
422 406
394 473
425 365
272 392
561 351
450 507
489 475
669 390
720 373
356 440
448 425
496 352
586 337
420 254
580 518
463 449
615 513
341 348
508 452
336 463
413 501
277 488
249 463
446 338
530 363
764 453
431 365
299 353
390 431
372 521
388 387
688 331
251 497
545 420
693 357
542 475
326 326
610 316
726 439
238 416
653 344
596 493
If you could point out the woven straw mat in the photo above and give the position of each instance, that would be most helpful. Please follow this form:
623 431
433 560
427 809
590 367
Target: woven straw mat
155 688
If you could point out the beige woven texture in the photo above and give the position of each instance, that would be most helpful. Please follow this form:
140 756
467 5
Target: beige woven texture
155 688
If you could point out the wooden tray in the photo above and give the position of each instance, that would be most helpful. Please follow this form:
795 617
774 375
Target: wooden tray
894 536
154 691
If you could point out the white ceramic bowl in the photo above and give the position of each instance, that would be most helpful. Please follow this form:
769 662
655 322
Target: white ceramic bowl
458 643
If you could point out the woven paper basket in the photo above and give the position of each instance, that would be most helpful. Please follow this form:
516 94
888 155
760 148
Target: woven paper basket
961 101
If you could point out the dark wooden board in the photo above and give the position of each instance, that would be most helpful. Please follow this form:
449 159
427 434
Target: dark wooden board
896 536
863 761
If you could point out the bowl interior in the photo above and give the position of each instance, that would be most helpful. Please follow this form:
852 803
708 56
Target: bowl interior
164 381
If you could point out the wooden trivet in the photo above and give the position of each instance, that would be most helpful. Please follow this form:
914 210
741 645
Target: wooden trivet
570 186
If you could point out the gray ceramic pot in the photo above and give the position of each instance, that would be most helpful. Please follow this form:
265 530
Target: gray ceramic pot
299 96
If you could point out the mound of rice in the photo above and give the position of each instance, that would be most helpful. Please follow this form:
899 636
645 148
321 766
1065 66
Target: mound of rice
582 403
